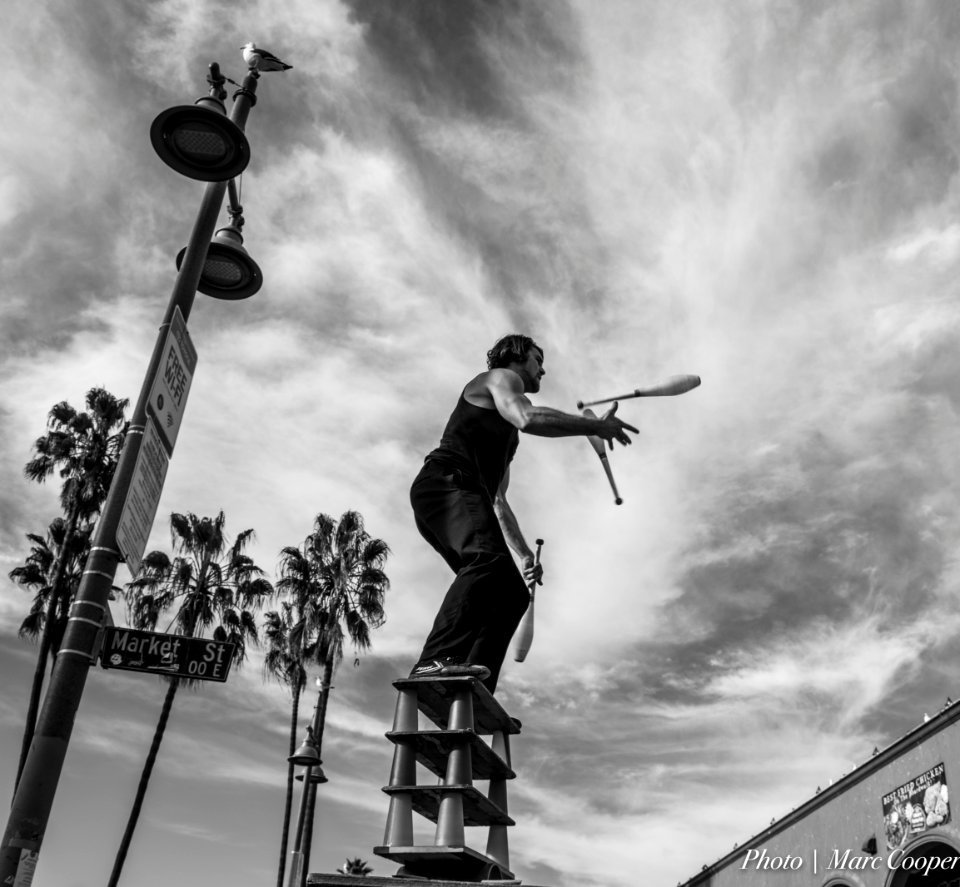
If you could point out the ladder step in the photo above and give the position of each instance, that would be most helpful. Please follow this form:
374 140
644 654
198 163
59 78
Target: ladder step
478 809
453 863
434 696
432 748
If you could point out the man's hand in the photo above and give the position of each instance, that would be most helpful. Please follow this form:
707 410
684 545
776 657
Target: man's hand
612 428
532 572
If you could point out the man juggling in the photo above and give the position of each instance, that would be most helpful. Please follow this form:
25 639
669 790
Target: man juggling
460 505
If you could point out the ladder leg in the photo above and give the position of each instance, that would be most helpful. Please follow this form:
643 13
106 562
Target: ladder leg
399 829
498 847
459 772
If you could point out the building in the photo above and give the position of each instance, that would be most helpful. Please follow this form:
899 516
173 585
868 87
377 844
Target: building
889 823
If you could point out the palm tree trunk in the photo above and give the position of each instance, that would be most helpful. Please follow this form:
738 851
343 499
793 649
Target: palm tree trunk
40 671
144 782
288 803
319 720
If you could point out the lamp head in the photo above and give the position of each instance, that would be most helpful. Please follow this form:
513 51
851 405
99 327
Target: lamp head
317 776
200 141
307 755
228 272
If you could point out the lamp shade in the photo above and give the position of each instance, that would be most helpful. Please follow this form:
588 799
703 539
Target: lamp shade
306 755
228 272
317 776
200 142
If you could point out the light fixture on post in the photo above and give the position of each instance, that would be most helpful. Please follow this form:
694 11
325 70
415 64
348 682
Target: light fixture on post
306 841
228 272
307 755
199 140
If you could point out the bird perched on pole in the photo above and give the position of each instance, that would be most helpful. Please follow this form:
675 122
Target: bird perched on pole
262 60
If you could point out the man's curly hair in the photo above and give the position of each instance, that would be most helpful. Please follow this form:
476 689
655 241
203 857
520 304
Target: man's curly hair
509 349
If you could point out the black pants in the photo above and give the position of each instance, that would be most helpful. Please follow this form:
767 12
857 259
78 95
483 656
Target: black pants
488 598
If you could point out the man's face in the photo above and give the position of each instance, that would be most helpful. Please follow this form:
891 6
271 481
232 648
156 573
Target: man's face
531 370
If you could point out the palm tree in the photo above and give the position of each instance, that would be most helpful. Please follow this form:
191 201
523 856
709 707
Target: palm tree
338 576
355 866
84 449
206 584
49 611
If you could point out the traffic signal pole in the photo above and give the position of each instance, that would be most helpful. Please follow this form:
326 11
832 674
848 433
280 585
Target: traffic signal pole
33 800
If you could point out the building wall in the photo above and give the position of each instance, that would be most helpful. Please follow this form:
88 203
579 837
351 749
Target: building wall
821 843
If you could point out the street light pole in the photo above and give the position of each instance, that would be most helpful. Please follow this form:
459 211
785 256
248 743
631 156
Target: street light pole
296 855
319 717
33 800
306 756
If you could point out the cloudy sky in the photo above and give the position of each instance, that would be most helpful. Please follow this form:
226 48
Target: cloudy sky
764 193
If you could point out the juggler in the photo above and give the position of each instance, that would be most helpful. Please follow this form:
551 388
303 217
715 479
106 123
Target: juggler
460 504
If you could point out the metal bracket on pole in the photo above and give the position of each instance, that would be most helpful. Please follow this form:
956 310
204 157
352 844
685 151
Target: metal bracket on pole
216 81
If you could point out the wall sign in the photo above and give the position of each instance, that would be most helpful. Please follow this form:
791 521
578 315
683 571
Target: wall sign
916 806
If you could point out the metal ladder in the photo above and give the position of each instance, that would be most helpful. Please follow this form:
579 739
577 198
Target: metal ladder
463 710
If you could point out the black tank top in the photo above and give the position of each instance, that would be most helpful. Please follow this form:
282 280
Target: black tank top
478 442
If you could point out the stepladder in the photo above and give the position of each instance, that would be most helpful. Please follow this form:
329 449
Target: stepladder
468 742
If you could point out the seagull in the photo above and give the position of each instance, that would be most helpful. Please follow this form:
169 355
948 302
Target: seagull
261 60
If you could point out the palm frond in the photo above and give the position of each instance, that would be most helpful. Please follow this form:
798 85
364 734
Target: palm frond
240 543
375 551
61 414
32 625
373 577
181 531
248 625
296 636
107 409
253 593
31 575
358 630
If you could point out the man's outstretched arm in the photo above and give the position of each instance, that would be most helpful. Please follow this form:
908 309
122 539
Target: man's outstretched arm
506 389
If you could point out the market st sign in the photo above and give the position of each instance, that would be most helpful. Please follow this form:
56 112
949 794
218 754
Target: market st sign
169 654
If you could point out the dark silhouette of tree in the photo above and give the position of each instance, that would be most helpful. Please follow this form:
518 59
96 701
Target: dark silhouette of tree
355 866
34 574
83 448
206 585
286 634
334 585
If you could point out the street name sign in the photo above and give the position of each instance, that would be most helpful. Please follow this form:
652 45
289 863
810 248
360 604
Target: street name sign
168 394
169 654
143 497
